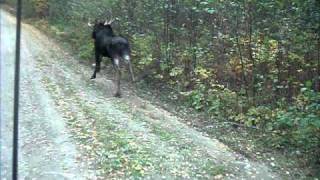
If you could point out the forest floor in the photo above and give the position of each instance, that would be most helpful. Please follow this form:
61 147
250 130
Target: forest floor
73 128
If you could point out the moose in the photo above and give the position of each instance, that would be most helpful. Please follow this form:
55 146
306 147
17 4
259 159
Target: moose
107 44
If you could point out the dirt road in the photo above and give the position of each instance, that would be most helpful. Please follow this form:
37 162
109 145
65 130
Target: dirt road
73 128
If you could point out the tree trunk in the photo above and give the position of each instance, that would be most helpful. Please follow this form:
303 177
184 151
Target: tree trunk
244 79
253 81
317 81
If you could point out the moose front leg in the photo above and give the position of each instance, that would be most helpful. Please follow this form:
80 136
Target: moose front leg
118 76
98 64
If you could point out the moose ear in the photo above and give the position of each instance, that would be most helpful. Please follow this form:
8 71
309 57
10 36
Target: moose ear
96 21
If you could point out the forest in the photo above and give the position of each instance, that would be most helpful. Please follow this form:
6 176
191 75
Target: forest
250 62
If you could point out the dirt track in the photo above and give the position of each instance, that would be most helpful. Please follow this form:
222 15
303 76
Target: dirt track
73 127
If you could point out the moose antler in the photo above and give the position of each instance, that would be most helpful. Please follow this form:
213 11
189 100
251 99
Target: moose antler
109 22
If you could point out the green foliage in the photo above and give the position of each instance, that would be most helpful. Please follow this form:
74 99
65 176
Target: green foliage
86 51
142 51
33 8
293 127
222 101
41 7
256 116
197 97
299 125
216 100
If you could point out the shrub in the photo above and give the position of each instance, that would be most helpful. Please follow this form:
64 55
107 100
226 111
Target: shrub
299 125
41 7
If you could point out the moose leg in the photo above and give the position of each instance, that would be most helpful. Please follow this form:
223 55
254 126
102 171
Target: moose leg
118 76
97 68
131 71
127 60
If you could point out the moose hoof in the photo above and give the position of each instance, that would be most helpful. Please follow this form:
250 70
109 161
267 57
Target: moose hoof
118 95
92 77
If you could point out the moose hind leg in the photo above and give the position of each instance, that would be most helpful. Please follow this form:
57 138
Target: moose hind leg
97 67
118 76
127 59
